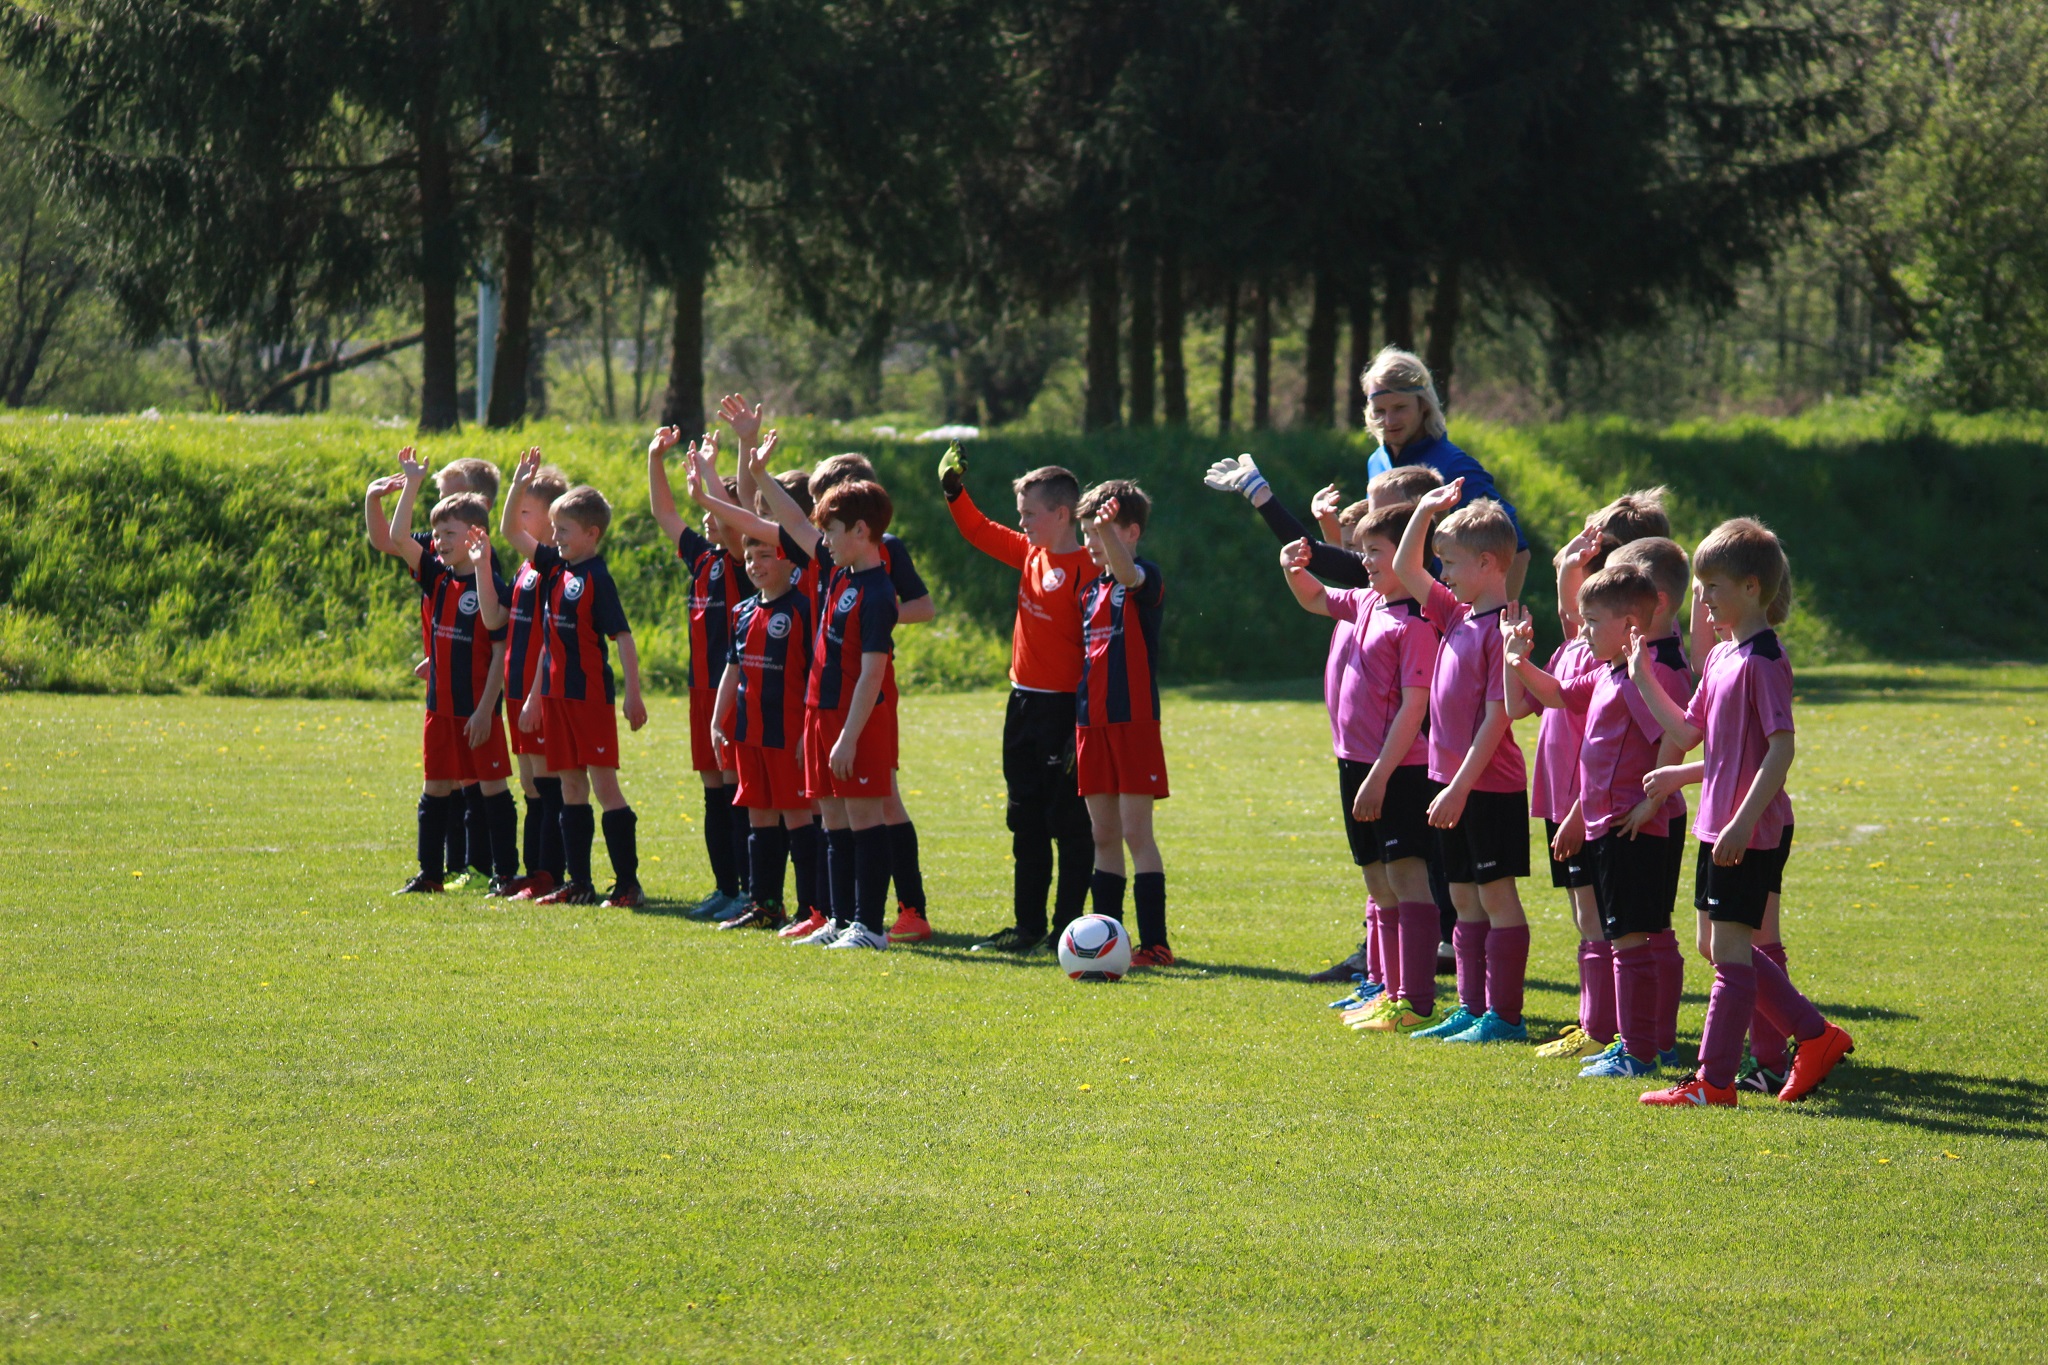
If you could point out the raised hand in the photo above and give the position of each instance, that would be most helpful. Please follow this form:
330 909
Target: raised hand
1517 632
476 548
952 472
528 467
1442 499
1326 503
757 463
1239 475
1637 655
1295 554
410 467
1105 515
665 440
1582 547
745 423
390 483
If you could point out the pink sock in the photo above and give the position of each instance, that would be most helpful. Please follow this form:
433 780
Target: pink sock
1417 939
1386 953
1507 964
1468 942
1596 988
1635 993
1670 987
1780 1002
1766 1039
1373 967
1728 1011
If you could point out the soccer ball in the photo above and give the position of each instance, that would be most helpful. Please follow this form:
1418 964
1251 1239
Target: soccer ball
1095 948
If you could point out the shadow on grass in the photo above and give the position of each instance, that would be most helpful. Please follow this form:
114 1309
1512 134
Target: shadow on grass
1939 1101
668 909
1989 681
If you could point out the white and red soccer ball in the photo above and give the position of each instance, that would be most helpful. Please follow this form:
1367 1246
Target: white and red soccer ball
1095 948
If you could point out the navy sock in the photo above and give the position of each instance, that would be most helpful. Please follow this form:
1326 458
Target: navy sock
530 833
551 857
767 863
476 828
904 867
871 874
718 838
1148 893
433 838
579 832
1077 871
454 836
1106 889
803 854
502 815
1033 854
742 861
839 875
622 844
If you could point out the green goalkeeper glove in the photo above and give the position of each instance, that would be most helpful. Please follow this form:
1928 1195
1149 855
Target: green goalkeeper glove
952 471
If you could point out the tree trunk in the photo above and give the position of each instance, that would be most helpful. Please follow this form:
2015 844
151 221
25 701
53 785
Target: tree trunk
1319 393
683 404
1399 310
1444 307
440 245
867 356
1226 379
1144 274
1104 405
1173 369
1361 356
515 317
1262 355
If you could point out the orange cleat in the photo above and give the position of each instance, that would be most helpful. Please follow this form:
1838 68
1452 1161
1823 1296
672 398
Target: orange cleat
910 927
1158 955
1813 1061
533 888
804 927
1693 1091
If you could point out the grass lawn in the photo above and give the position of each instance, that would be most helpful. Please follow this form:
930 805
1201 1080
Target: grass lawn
253 1107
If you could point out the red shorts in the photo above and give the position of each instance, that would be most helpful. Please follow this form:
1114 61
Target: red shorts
522 742
1126 759
448 757
874 758
770 779
705 756
579 734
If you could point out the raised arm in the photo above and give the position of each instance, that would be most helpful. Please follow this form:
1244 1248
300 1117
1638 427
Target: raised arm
661 499
1411 559
787 513
400 533
1116 555
509 524
1571 572
490 609
1518 637
1677 728
376 521
1309 593
706 488
746 434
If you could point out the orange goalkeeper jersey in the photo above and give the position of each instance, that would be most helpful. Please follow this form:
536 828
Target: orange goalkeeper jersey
1045 647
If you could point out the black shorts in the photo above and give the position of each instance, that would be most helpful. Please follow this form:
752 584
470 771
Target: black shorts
1635 881
1490 842
1038 766
1577 872
1739 894
1402 831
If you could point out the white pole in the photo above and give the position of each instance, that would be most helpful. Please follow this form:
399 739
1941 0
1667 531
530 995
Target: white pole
486 342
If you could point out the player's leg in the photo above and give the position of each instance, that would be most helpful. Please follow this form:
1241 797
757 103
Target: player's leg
718 841
1106 887
1383 929
1415 932
868 833
1148 879
1367 958
437 807
905 869
621 838
1506 952
1031 840
1766 1045
579 834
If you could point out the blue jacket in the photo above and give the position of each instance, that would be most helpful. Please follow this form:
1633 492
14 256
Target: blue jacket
1446 459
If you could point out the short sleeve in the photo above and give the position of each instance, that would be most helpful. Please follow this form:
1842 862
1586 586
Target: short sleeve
1578 690
797 555
877 622
501 632
430 572
1346 604
1442 609
1770 696
1495 655
1152 591
1418 653
546 558
607 614
690 544
902 572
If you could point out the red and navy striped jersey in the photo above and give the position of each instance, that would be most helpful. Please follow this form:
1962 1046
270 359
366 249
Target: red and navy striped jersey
1120 637
716 584
581 611
458 644
903 575
771 646
859 616
522 647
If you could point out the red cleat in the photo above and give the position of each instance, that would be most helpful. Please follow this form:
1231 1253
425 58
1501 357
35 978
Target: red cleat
1694 1091
575 893
804 927
1157 956
625 896
532 888
910 927
1813 1061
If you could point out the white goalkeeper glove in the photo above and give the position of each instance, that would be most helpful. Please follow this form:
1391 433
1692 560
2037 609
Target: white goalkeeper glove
1238 475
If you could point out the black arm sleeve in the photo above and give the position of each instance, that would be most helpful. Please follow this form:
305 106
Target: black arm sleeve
1328 562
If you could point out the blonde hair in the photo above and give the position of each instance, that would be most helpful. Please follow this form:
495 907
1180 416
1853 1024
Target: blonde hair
1744 547
1404 483
547 484
1624 588
1481 527
464 507
585 506
1632 516
1398 371
1662 560
474 476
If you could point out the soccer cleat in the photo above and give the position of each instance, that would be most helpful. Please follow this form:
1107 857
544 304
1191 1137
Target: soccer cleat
733 908
1159 955
1006 940
1754 1075
1453 1024
1382 1015
625 896
464 880
707 908
1571 1042
1363 993
1669 1057
1694 1090
534 887
758 917
858 935
1813 1059
1613 1049
824 934
503 887
420 885
571 893
910 927
1620 1066
1491 1028
803 928
1350 969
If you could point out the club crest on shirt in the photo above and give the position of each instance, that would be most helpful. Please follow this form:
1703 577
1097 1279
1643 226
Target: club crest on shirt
778 626
717 569
1054 577
573 589
466 604
528 577
1116 598
848 598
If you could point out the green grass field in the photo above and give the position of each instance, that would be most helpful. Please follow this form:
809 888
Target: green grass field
251 1107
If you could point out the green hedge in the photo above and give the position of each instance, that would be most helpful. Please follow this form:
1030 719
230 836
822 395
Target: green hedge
227 555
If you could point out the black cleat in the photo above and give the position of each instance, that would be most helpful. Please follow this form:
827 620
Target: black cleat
420 885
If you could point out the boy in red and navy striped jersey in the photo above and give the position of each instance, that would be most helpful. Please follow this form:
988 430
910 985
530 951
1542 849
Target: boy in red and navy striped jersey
1118 758
542 843
463 740
571 707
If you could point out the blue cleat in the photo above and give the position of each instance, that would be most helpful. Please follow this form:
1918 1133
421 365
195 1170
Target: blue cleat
709 907
1363 992
1491 1028
1459 1020
1669 1057
1620 1066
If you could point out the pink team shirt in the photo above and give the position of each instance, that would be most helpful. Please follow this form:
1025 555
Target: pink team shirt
1554 776
1378 648
1622 739
1745 697
1468 675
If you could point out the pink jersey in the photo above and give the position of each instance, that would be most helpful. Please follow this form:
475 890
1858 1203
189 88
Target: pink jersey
1554 776
1745 697
1385 647
1469 674
1623 737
